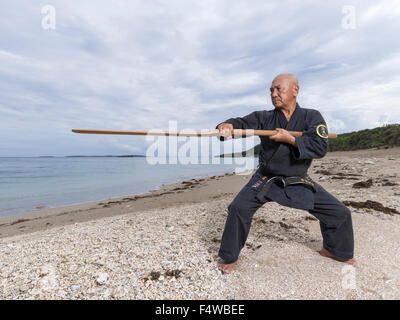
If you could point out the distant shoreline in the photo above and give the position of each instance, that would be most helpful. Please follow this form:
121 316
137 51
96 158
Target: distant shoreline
82 156
105 156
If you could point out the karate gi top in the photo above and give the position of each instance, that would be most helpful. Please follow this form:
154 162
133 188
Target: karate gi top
282 159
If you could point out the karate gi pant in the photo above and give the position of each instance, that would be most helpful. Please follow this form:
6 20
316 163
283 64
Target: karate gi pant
334 217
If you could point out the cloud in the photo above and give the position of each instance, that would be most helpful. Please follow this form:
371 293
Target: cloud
137 65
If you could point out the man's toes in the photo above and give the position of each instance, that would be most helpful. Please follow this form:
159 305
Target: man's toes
325 253
226 267
353 262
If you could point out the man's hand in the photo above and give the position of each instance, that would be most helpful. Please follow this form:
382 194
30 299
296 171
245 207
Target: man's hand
225 130
283 136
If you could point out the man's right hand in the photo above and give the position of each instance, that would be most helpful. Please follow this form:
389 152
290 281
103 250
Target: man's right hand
225 130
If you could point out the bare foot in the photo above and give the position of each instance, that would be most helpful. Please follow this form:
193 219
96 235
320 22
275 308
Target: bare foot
325 253
226 267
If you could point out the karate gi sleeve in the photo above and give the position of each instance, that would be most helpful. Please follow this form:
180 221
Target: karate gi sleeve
251 121
313 144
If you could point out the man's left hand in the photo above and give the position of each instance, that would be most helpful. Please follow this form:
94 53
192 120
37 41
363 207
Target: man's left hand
283 136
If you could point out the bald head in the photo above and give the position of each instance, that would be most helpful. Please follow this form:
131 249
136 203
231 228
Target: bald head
288 77
284 90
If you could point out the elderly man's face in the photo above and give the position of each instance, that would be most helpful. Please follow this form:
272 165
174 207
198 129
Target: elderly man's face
283 92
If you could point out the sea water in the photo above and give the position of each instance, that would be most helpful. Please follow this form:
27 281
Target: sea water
31 183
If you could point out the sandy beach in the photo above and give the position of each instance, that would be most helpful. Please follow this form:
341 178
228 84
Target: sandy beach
164 244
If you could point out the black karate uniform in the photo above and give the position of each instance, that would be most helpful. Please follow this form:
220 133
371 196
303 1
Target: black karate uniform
285 160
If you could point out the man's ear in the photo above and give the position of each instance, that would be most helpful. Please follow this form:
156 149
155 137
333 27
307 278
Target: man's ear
296 89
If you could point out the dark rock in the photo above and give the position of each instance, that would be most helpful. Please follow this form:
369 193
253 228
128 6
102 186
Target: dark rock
369 204
363 184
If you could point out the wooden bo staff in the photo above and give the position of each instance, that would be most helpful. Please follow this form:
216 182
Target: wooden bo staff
235 132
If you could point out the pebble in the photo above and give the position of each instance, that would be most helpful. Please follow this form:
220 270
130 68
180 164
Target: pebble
102 278
24 288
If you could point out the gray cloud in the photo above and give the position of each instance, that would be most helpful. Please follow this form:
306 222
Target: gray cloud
139 64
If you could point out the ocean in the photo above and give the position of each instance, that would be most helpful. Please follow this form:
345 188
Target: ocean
31 183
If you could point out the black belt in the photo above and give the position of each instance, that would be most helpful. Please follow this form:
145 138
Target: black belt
284 182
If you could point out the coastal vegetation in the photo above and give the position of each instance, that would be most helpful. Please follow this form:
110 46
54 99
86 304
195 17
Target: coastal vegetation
380 137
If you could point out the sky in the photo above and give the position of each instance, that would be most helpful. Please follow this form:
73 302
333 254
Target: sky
137 65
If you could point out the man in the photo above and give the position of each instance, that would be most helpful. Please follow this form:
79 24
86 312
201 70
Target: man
282 175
